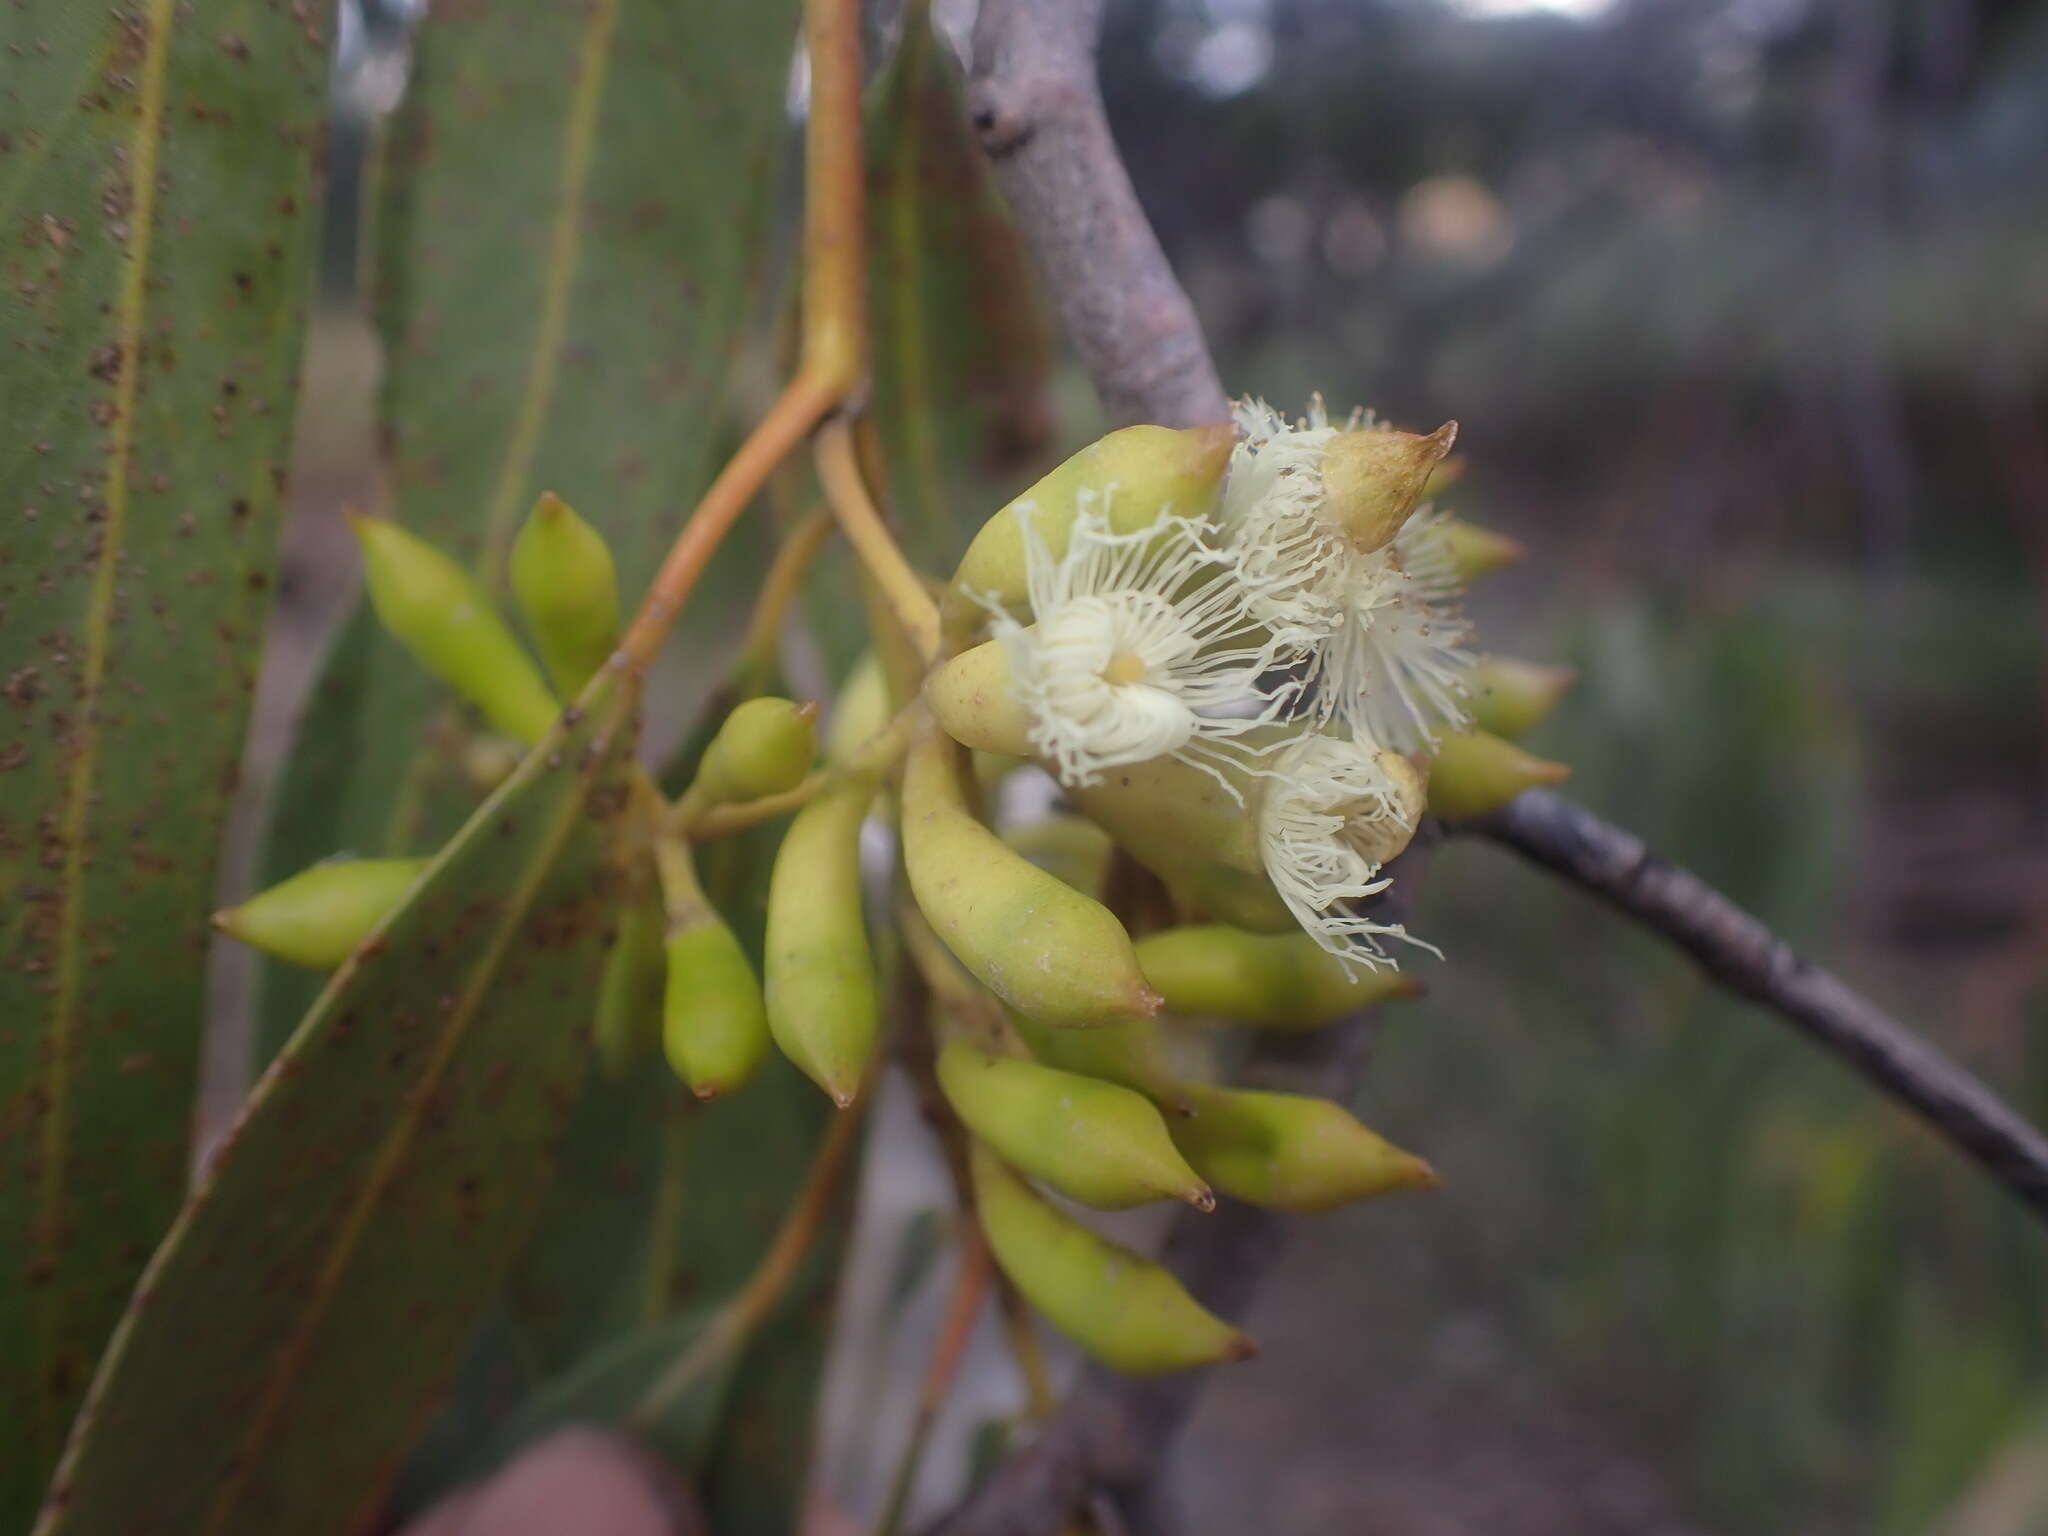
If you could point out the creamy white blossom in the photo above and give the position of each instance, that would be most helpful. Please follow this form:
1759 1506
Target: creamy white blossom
1141 645
1334 810
1382 626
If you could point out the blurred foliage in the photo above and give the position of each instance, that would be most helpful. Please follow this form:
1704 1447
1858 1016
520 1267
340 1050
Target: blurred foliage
1823 1319
1737 305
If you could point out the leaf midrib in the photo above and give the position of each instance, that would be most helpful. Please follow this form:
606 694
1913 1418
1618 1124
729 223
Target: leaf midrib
565 248
82 767
390 1156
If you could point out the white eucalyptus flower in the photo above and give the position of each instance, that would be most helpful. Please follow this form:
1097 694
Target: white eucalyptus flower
1335 809
1316 519
1141 645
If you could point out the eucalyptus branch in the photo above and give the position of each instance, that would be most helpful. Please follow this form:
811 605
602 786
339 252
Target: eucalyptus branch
1749 960
1038 111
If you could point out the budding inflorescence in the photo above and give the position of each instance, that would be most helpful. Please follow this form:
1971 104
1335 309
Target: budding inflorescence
1240 653
1283 618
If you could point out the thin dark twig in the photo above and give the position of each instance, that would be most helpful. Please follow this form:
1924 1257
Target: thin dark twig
1749 960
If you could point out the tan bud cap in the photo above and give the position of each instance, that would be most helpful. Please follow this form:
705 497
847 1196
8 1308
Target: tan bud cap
1372 480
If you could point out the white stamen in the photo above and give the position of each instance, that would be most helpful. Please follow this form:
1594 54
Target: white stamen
1142 647
1383 627
1334 811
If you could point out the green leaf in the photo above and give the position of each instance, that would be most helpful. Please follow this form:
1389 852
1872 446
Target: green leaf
156 217
664 1206
570 223
303 1316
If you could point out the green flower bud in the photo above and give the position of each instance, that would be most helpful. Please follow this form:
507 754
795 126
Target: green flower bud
1094 1142
1511 698
435 609
971 697
561 570
1476 772
439 614
1290 1151
714 1026
1372 480
1132 1053
1475 552
1272 981
820 973
1126 1311
764 747
1040 946
320 916
630 1001
1146 471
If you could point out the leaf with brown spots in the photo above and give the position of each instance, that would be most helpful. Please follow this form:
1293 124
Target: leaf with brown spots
308 1308
571 214
133 193
662 1206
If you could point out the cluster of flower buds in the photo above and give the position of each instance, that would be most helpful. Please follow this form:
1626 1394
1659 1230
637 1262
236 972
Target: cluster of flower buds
1239 652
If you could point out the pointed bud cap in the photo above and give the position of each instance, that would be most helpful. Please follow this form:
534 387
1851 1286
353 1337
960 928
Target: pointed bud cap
1096 1142
321 915
764 747
1125 1310
1290 1151
562 574
1373 479
1476 772
436 610
1511 698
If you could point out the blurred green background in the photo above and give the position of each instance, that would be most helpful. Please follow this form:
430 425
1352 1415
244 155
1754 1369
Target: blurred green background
1743 308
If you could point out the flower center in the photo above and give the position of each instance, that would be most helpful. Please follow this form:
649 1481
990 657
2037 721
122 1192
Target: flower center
1125 667
1100 675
